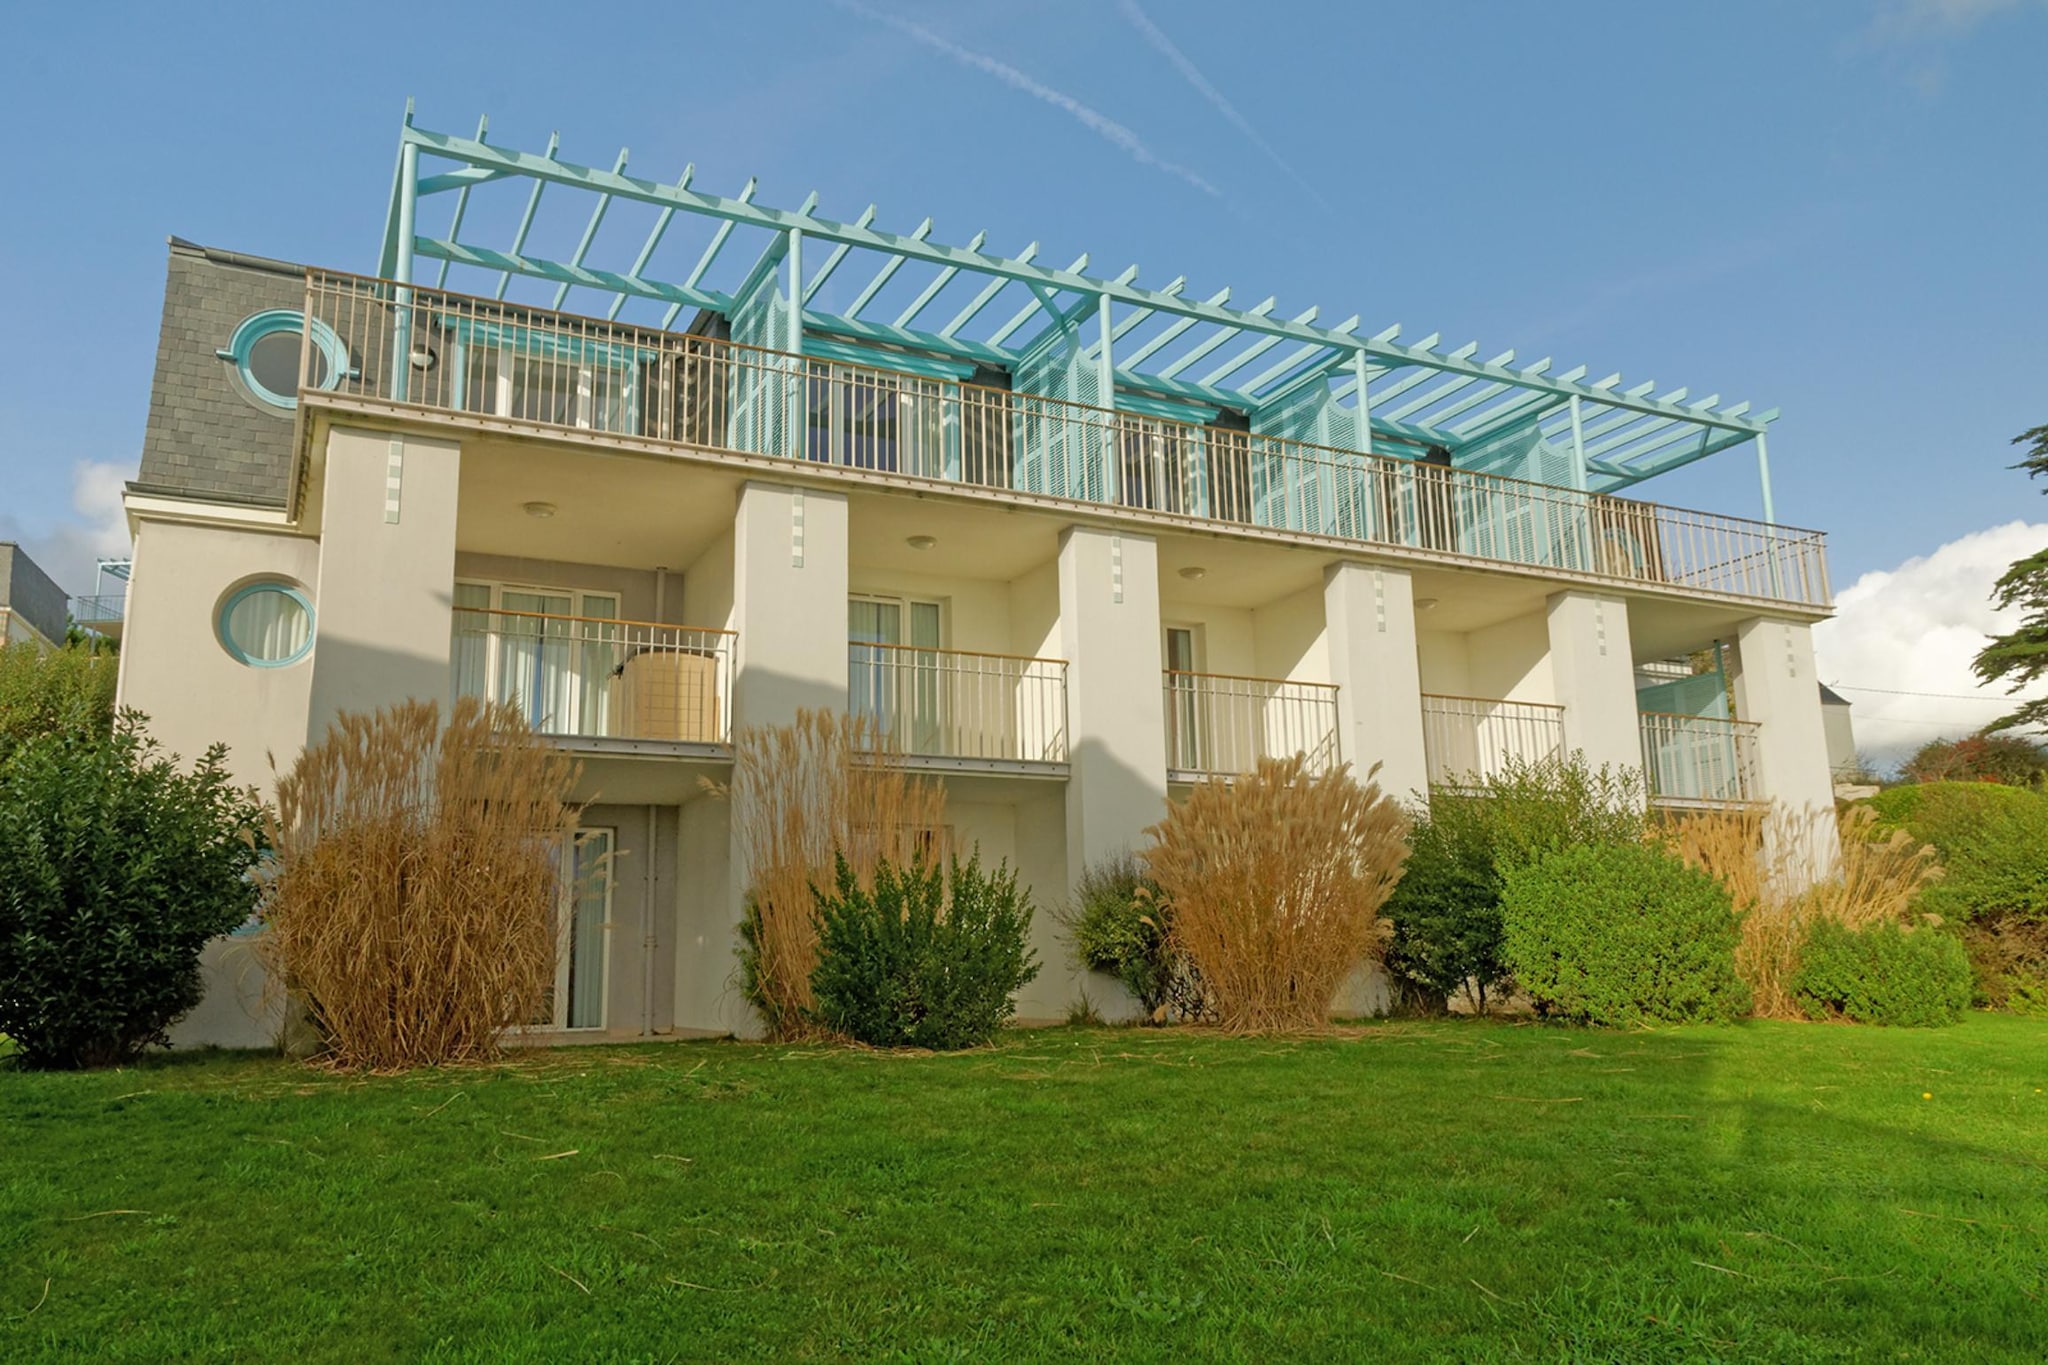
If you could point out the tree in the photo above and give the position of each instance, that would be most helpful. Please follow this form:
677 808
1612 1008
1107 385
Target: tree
2021 657
116 867
44 692
2012 759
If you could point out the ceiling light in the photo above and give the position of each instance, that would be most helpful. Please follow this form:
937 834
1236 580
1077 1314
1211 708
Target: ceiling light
920 542
423 358
1424 603
1193 572
542 510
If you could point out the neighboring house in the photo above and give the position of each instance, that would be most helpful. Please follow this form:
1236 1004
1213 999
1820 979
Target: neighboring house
1076 542
32 607
1840 732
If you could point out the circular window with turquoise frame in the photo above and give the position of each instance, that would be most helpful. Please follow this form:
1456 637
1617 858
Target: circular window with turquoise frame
266 624
266 350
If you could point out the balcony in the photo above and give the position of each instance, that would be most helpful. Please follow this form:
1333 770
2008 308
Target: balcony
1694 762
1467 740
994 709
102 613
587 678
506 362
1219 726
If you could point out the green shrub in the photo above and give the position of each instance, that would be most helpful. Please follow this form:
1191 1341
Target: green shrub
1446 909
116 867
1118 926
924 959
1993 841
1622 934
1884 974
2009 964
59 691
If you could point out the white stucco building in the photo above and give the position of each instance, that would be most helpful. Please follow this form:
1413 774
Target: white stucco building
1075 541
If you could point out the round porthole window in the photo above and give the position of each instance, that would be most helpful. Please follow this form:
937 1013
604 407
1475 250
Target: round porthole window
266 625
266 352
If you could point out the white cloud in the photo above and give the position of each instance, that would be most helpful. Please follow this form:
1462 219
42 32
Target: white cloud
68 551
1902 20
1912 37
1103 126
1914 630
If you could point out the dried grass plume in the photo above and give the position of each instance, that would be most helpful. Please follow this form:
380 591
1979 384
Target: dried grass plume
412 905
800 793
1274 883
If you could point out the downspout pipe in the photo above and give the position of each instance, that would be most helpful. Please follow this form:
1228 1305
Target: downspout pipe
650 937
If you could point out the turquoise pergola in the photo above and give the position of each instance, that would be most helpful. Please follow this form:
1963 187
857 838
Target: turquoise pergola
1060 332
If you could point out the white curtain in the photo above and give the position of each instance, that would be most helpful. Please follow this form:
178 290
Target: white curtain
590 902
268 625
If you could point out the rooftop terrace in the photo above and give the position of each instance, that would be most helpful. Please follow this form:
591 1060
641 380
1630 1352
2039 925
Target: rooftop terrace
668 255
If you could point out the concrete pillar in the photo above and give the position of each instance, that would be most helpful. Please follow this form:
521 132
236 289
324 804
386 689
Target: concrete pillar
1369 618
788 603
1776 686
1116 717
383 610
1594 671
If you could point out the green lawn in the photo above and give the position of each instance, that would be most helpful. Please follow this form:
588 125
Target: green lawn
1418 1190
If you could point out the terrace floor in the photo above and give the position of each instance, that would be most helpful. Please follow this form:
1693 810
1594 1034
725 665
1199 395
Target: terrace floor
1451 1189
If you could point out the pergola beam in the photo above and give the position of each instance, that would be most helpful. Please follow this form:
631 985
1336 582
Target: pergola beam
548 170
597 212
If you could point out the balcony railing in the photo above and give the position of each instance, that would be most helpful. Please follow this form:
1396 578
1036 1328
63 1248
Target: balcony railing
1466 740
1218 725
99 611
454 352
953 703
591 678
1700 761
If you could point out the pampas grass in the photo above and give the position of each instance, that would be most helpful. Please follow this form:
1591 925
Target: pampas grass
801 793
1274 883
1761 858
412 904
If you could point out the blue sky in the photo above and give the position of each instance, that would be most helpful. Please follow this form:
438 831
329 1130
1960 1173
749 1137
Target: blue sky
1835 208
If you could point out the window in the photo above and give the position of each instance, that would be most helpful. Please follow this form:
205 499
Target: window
266 624
893 668
583 915
872 419
558 378
268 349
552 652
1184 746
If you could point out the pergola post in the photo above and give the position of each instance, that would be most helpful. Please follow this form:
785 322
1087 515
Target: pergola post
401 319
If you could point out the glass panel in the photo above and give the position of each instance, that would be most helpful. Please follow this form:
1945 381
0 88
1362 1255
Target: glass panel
927 717
590 913
871 689
267 625
469 654
274 362
1183 719
603 659
536 665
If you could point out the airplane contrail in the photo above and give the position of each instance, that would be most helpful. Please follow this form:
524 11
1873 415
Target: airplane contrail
1191 73
1105 127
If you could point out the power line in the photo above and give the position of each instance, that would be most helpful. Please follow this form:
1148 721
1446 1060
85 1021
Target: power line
1944 696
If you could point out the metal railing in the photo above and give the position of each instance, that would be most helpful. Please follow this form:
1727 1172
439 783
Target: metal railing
1220 725
592 678
954 703
1699 760
101 609
1466 740
456 352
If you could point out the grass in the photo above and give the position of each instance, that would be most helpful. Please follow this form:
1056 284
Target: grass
1453 1189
